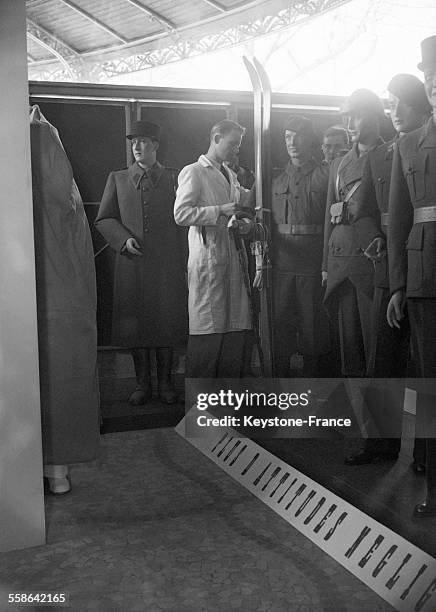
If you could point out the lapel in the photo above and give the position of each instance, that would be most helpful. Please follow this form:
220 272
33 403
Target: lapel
135 174
350 167
218 175
154 173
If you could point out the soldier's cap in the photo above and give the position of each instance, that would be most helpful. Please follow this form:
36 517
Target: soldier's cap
410 90
300 125
428 52
363 102
144 129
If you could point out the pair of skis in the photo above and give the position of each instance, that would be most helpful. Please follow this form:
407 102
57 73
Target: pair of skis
263 184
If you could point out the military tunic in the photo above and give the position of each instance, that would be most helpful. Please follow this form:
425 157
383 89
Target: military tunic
412 256
150 292
298 210
389 346
371 220
350 283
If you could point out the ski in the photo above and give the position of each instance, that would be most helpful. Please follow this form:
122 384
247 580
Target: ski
263 179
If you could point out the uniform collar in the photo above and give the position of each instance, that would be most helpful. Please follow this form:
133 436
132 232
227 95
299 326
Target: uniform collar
428 135
304 169
356 152
136 173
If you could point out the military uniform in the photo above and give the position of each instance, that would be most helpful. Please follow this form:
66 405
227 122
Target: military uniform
412 253
371 220
350 283
150 292
298 210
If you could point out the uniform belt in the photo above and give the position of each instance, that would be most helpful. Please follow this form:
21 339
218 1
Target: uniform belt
424 214
296 229
384 218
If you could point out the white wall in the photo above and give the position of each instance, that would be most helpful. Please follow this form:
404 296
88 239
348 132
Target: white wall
21 495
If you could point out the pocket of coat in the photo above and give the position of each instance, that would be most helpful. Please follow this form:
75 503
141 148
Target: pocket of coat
415 176
279 206
415 258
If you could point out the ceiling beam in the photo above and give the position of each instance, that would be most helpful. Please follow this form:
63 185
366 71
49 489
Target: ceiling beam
216 5
37 30
93 20
151 13
53 51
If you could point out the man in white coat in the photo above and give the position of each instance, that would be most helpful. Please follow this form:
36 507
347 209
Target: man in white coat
208 196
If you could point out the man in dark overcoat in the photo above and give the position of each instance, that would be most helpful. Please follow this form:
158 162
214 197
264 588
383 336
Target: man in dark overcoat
347 273
150 291
412 256
298 211
409 109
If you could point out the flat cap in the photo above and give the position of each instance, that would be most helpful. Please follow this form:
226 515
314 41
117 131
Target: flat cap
428 52
145 129
410 90
363 102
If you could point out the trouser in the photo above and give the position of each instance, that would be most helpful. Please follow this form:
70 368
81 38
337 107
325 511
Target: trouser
389 352
422 315
350 308
216 355
300 321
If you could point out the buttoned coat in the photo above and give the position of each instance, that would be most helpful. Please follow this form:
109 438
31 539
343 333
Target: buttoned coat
371 220
218 298
150 292
343 256
412 246
372 204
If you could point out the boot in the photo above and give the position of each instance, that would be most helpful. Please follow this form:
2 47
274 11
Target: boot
164 362
142 393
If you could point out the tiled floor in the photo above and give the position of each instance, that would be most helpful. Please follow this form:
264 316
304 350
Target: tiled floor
155 526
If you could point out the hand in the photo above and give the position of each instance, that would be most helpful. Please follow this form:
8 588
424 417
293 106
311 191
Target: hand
376 249
396 306
246 198
133 247
324 276
230 209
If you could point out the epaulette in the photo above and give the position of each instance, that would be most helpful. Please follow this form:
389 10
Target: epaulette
171 169
120 169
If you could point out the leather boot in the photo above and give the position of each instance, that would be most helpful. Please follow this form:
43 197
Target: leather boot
142 393
164 362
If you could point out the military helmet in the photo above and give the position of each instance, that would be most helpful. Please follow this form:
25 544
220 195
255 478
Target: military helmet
410 90
363 102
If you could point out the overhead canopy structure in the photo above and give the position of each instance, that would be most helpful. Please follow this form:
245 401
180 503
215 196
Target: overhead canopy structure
92 40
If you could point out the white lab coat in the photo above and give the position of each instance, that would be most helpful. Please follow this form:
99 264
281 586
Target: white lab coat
218 300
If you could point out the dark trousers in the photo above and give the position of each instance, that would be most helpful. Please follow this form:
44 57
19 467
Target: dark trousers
300 321
389 352
216 355
422 315
350 305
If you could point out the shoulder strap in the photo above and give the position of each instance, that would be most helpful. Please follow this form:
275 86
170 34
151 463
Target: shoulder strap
353 190
337 179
